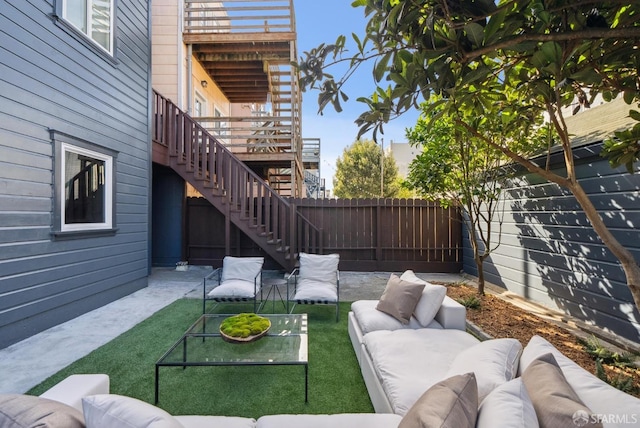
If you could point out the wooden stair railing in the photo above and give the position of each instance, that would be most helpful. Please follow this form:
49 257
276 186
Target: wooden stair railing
234 189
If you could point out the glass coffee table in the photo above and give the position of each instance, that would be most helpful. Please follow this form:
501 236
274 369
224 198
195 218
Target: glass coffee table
202 345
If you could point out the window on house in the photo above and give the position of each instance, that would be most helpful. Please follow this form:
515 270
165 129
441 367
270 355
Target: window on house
84 180
199 106
94 18
220 126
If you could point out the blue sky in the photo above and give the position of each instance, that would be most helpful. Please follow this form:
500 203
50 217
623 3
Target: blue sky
322 22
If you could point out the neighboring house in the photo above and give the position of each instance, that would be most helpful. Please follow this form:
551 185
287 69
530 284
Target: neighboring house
75 158
404 154
549 252
228 65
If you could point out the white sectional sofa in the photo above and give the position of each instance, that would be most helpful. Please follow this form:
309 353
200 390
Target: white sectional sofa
85 399
399 362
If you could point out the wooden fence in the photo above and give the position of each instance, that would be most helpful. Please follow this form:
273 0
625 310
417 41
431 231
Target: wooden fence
369 234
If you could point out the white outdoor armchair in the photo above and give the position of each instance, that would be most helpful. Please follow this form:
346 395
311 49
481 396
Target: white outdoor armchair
316 281
238 280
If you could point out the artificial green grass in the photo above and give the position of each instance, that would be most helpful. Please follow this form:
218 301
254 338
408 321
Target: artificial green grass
335 382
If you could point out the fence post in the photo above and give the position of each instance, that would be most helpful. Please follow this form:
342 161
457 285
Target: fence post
293 226
378 230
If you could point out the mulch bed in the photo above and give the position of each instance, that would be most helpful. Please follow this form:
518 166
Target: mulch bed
499 318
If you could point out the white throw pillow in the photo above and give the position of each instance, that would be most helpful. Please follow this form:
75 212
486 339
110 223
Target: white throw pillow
243 268
507 406
493 361
321 268
430 301
118 411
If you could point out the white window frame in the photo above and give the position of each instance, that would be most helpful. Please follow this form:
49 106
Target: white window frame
108 190
61 10
63 143
202 101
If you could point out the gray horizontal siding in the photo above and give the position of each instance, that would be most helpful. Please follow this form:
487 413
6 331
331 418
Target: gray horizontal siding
51 80
550 253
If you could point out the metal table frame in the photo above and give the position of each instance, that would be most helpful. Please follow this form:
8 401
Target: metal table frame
190 333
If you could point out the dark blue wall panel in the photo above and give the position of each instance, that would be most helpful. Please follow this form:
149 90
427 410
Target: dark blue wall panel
550 253
167 217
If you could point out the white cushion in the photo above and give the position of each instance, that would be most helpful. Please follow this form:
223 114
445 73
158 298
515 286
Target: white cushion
507 406
71 390
243 268
600 397
370 319
118 411
215 422
308 289
408 362
320 268
493 361
235 288
430 301
364 420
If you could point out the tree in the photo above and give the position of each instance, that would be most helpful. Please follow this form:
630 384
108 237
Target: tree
457 168
358 172
548 53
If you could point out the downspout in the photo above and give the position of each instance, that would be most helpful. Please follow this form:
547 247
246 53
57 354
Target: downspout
180 59
189 80
149 144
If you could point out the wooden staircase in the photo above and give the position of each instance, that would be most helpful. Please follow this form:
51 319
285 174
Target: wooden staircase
245 199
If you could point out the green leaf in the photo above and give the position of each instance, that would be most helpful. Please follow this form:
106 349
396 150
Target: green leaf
494 24
475 33
381 67
629 95
587 75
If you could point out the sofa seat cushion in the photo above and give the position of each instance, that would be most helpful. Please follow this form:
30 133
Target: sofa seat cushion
508 406
493 361
600 397
235 288
371 319
408 362
119 411
344 420
215 422
314 290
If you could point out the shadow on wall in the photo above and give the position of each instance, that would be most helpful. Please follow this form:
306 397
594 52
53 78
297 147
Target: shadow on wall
564 261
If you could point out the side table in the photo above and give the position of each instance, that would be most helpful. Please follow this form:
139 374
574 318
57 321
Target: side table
273 285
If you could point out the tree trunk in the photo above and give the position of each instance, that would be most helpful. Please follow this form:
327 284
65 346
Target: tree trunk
628 262
480 264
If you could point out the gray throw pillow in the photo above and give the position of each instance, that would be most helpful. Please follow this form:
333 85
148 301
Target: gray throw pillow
27 411
555 402
451 403
400 298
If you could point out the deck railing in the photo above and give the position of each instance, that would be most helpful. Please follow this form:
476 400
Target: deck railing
239 16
